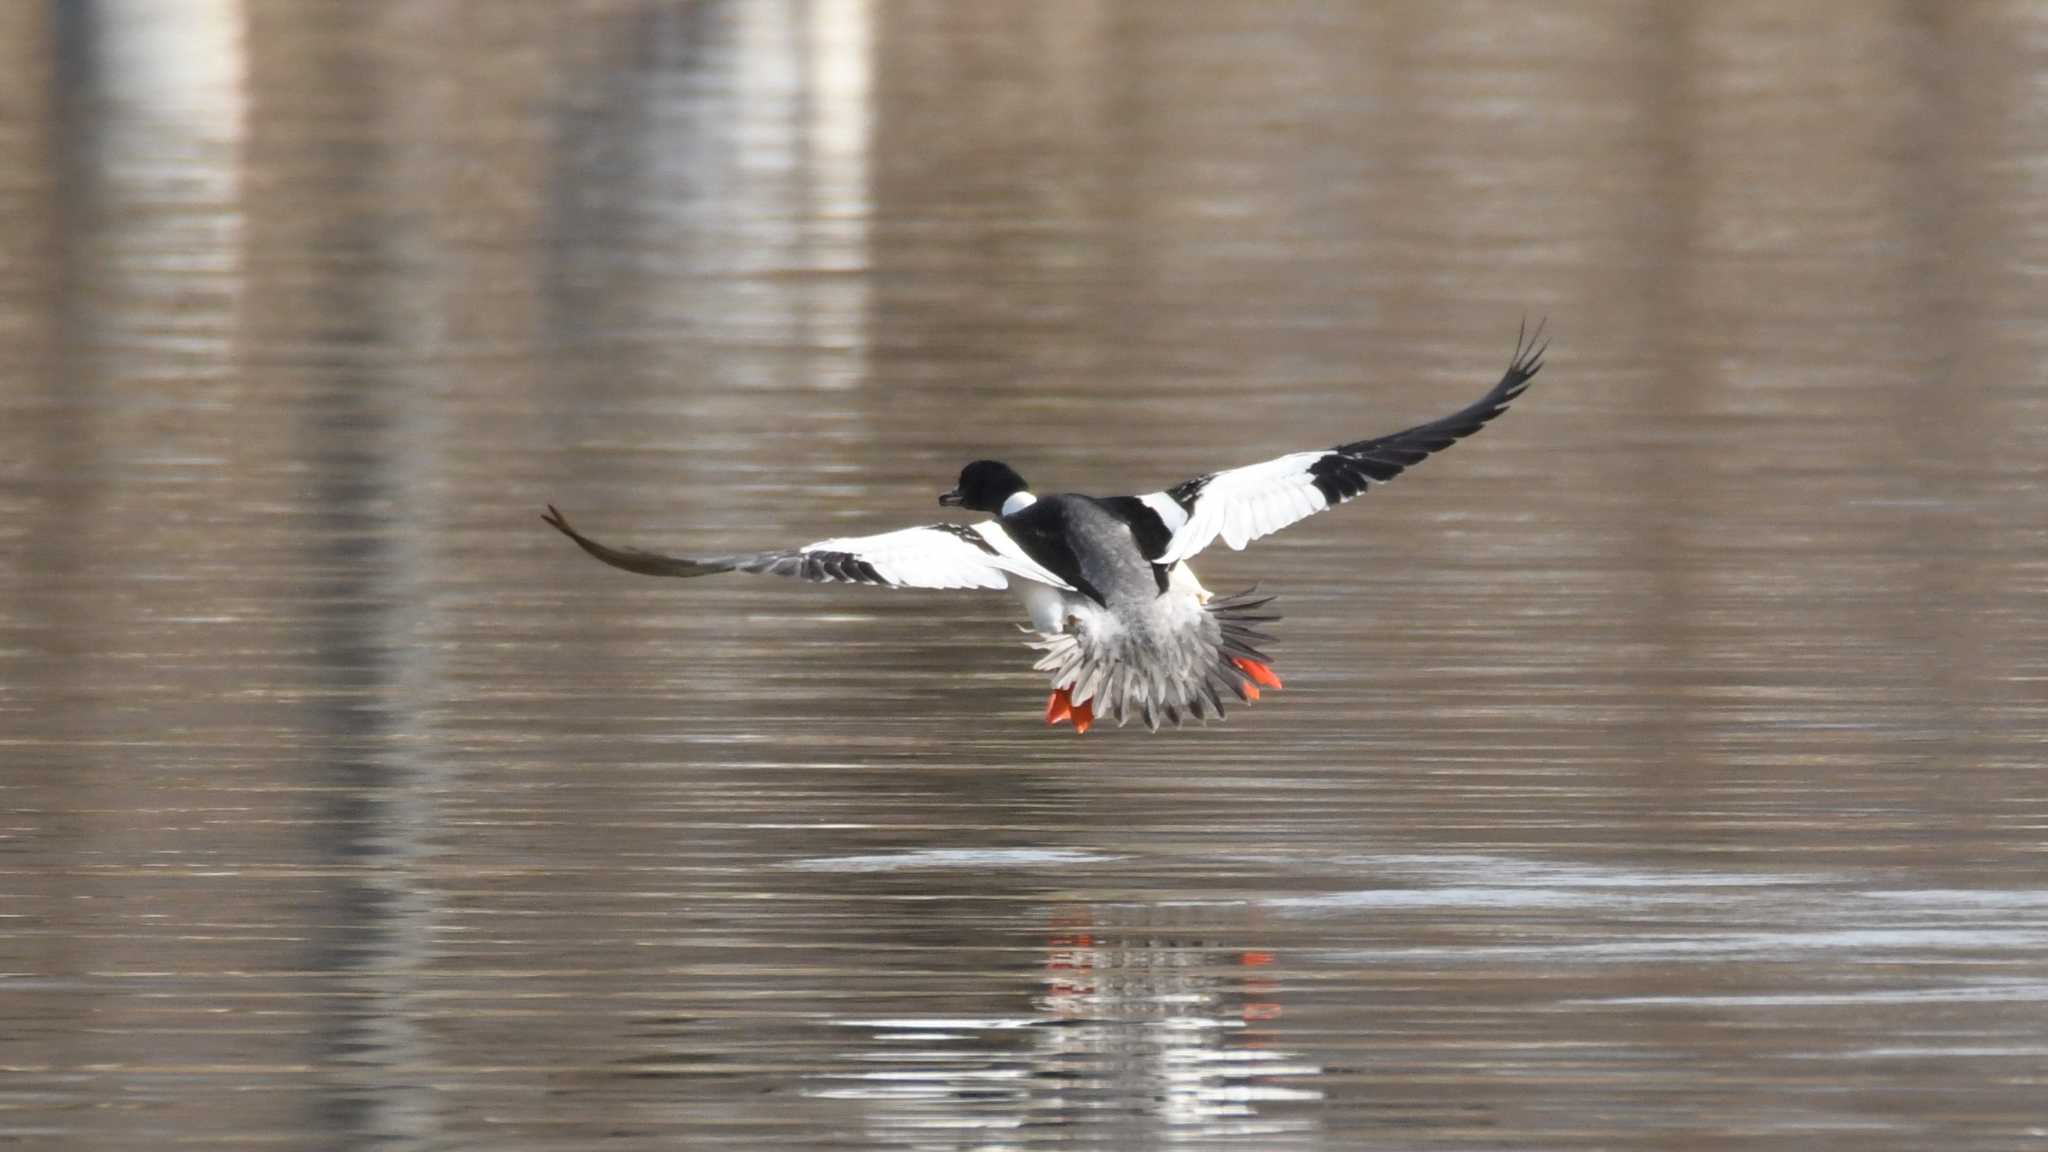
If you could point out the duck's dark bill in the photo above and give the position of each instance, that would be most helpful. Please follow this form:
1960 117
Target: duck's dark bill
951 499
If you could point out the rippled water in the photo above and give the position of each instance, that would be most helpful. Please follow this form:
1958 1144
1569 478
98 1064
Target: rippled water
1661 768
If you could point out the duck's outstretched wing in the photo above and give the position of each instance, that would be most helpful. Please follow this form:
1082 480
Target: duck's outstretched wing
1242 504
934 556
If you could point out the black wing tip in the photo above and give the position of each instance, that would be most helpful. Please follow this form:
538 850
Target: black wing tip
1405 449
1528 358
634 559
553 518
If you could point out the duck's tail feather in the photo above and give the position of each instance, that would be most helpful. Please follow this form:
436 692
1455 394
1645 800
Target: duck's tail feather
1172 669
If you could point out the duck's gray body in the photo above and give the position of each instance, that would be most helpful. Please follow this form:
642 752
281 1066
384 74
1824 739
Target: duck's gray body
1144 641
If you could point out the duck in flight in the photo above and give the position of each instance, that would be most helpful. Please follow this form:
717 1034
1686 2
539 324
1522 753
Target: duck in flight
1125 629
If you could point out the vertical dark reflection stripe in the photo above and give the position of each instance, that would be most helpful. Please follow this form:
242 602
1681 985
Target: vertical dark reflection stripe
317 325
50 701
629 144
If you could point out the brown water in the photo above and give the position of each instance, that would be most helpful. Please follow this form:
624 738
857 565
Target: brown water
1661 769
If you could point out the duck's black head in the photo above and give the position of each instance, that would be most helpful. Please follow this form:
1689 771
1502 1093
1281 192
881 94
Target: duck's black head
984 485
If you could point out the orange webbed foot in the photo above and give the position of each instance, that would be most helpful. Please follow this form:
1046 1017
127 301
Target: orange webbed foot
1259 674
1059 708
1084 718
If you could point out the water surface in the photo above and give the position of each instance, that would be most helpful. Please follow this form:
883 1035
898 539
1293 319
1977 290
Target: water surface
1661 768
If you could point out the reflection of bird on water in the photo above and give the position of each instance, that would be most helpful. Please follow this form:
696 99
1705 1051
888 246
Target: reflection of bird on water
1180 1017
1126 628
1135 1028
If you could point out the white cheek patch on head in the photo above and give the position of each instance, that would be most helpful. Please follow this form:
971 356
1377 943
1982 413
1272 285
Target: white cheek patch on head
1017 502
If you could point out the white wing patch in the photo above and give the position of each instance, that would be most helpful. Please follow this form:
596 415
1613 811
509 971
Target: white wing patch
1243 504
919 558
939 557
